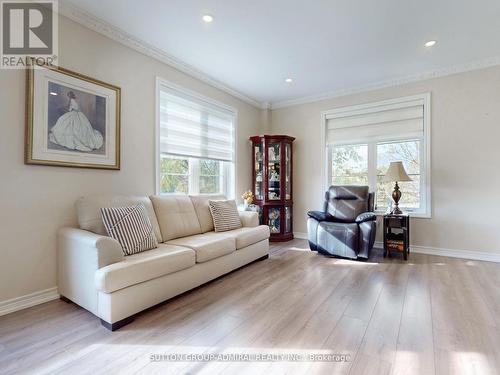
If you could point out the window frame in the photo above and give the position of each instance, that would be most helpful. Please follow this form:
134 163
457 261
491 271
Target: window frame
228 171
425 148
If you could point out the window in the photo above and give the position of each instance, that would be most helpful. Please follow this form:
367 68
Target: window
350 165
191 175
362 141
195 142
174 174
409 153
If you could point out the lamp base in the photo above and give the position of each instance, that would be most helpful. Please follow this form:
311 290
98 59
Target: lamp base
396 196
396 211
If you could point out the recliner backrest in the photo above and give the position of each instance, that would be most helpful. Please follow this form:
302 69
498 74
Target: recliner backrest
345 203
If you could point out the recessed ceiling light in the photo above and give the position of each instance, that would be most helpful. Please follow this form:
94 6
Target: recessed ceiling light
430 43
288 80
53 93
208 18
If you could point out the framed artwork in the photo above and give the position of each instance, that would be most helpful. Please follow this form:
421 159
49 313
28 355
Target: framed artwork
72 120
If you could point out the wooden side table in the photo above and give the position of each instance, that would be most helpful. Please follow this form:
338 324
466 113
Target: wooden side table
397 234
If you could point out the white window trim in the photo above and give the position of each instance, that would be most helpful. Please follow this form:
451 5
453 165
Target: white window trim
230 187
397 103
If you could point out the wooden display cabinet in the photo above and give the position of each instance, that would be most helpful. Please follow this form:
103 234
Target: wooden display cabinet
272 183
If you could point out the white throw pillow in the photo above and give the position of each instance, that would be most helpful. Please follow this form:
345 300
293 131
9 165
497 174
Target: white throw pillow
131 227
225 215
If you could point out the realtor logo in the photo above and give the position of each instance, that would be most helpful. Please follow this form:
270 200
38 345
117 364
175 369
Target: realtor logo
29 31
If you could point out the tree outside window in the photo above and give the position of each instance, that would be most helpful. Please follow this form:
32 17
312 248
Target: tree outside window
350 165
210 172
190 175
174 175
409 153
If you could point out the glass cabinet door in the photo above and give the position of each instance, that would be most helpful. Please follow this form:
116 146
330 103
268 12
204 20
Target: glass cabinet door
288 171
274 219
274 172
288 219
259 178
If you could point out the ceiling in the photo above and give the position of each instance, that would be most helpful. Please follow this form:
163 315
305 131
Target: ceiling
325 46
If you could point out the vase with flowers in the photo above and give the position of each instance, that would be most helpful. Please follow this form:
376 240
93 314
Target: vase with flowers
248 198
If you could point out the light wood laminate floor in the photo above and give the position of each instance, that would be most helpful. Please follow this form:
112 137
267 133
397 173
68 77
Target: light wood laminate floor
430 315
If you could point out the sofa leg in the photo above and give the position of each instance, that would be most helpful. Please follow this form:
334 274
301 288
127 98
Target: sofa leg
263 258
62 298
117 325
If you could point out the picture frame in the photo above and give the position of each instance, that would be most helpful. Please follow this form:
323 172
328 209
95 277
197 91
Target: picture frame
72 120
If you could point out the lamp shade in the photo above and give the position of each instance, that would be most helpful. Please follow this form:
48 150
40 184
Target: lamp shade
396 173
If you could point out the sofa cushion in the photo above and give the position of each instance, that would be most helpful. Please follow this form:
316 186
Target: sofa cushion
225 215
200 203
88 210
176 216
207 246
249 218
131 227
137 268
247 236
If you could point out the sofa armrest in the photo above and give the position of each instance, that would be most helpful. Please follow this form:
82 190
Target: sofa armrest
100 250
249 218
80 254
366 216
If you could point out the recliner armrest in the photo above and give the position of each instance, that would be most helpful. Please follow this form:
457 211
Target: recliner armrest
320 216
366 216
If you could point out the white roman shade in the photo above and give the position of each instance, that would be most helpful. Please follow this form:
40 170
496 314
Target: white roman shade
193 127
378 123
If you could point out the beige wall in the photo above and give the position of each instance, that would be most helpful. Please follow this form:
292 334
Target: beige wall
465 158
37 200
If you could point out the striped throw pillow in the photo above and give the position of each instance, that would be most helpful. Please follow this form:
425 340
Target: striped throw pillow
131 227
225 215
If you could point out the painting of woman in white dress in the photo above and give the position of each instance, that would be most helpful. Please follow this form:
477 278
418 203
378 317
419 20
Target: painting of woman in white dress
72 120
77 118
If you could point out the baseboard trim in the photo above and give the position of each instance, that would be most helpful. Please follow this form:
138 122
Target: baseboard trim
28 300
300 235
453 253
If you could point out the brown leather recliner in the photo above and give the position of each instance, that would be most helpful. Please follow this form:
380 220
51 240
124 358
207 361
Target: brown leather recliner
347 225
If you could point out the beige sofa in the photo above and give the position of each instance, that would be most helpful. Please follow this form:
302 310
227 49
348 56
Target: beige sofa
93 273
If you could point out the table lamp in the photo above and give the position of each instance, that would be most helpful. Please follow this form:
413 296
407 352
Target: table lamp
396 173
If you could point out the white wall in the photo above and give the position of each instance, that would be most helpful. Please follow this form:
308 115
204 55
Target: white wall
465 158
37 200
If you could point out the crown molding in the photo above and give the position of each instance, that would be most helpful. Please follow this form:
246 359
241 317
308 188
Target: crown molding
456 69
96 24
